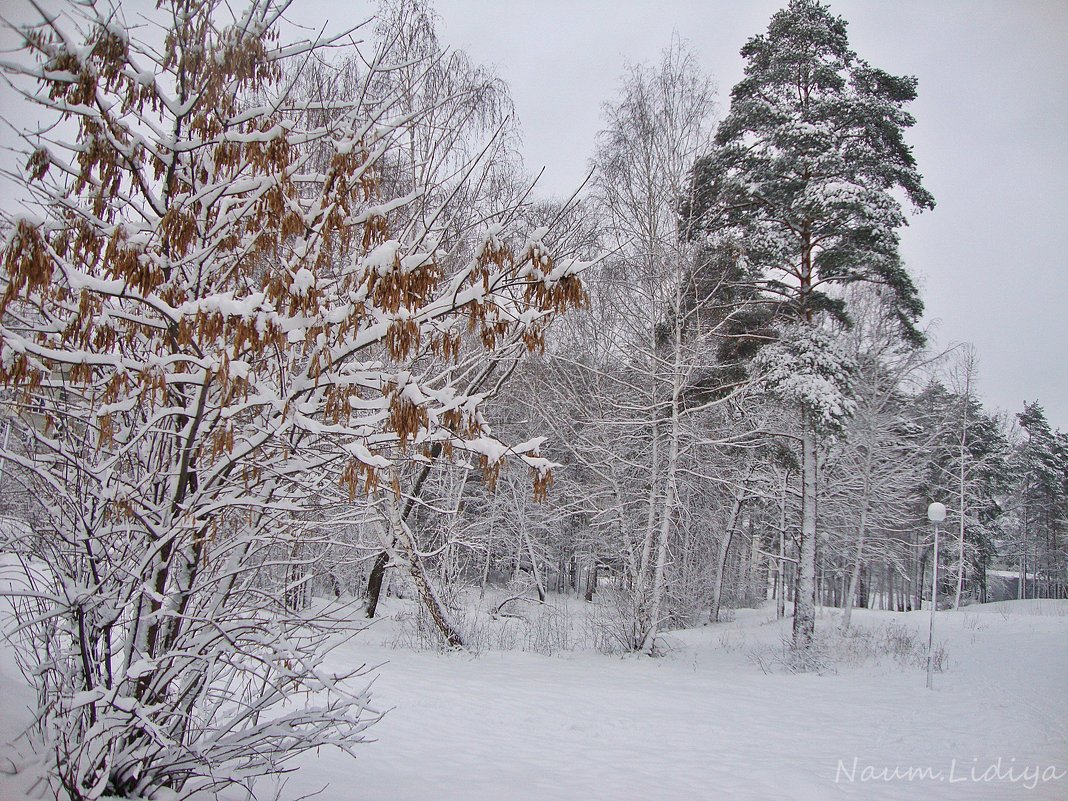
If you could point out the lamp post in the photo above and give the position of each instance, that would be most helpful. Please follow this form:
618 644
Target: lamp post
936 513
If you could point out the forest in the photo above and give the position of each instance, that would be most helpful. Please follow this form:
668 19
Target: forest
287 331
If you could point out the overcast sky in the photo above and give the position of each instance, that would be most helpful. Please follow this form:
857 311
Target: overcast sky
991 140
991 137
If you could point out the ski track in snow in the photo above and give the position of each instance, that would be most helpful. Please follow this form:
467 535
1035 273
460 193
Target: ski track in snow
703 722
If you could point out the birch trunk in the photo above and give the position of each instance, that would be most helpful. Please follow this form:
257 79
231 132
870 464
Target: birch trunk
403 542
963 485
753 572
666 515
721 559
854 578
780 569
643 574
858 554
670 487
533 564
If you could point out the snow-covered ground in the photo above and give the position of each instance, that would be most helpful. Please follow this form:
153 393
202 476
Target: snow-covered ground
716 718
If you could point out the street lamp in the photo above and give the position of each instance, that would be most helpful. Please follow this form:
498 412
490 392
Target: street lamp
936 513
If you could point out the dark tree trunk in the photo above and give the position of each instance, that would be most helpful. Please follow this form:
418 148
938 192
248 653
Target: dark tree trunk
374 583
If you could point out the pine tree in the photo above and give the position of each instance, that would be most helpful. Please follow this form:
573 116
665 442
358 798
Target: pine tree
804 171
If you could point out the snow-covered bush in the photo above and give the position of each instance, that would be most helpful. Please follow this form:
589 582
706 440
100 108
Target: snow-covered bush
834 647
237 301
514 623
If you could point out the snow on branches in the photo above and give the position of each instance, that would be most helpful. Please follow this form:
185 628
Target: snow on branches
806 366
231 304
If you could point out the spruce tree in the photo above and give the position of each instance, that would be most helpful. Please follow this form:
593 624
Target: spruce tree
809 172
1041 469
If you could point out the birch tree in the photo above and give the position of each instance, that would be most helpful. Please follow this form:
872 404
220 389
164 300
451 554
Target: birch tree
653 133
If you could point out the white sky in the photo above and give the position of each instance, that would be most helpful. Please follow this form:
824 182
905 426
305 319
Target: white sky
991 137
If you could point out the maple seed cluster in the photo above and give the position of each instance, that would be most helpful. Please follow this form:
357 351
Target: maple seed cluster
238 253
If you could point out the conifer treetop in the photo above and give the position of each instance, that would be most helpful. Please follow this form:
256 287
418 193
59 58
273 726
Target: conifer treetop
810 164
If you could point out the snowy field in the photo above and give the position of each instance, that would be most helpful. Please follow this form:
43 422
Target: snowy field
718 717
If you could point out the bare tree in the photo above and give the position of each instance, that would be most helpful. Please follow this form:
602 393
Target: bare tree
646 371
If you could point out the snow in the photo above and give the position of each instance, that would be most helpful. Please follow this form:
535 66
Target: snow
703 721
358 450
383 257
706 722
493 450
303 280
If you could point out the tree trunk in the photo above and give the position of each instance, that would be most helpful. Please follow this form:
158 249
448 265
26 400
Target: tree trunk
645 564
1021 588
921 578
721 558
805 600
661 557
485 569
854 578
963 500
533 564
374 582
402 540
378 570
667 508
962 476
753 571
780 568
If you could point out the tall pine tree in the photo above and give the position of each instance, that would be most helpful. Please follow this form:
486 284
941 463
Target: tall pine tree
805 173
